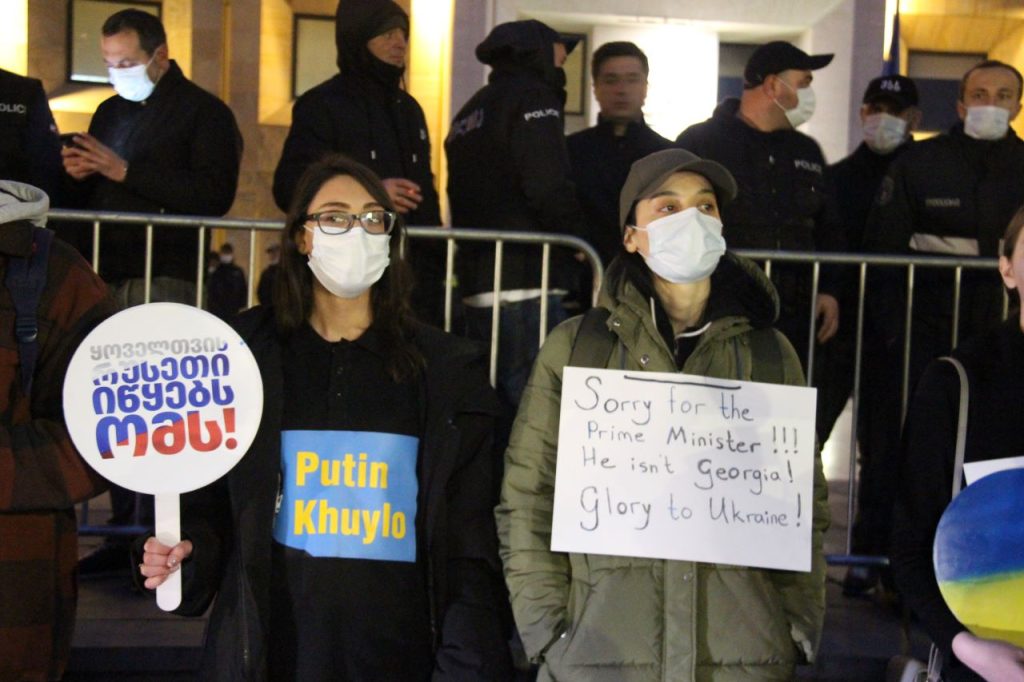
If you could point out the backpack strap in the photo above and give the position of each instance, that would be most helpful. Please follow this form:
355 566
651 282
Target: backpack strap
767 357
25 280
961 424
594 342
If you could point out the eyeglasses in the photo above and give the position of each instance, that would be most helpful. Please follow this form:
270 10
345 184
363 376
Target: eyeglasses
338 222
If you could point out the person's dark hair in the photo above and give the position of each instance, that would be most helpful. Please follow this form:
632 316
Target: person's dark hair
630 267
227 248
1012 233
619 48
389 297
151 31
991 64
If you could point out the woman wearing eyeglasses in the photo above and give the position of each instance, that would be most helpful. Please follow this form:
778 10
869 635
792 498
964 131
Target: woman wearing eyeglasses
355 540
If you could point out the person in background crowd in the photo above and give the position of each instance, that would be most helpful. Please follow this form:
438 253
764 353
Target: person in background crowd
600 157
43 476
265 288
693 308
888 115
951 195
345 368
29 144
785 198
228 292
160 145
508 169
343 115
994 362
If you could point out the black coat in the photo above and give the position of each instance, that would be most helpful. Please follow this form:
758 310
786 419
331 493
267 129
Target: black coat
508 169
183 149
995 367
29 146
381 128
860 175
600 163
950 186
230 522
785 202
785 199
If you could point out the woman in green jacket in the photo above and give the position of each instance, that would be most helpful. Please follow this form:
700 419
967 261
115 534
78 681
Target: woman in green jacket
677 302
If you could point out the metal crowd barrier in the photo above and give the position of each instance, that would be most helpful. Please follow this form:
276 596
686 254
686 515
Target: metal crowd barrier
499 238
201 224
863 262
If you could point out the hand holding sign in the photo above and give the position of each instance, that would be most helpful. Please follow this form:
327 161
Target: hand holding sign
161 411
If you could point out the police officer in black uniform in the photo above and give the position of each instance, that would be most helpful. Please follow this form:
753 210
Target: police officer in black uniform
785 199
601 156
952 195
888 114
508 169
29 145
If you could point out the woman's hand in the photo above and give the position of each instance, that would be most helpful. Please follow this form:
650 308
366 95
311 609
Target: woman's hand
159 560
994 660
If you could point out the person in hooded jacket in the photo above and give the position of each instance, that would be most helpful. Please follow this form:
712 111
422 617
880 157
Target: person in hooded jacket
603 618
364 113
346 369
508 169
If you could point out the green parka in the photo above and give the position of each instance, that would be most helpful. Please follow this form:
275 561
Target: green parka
602 618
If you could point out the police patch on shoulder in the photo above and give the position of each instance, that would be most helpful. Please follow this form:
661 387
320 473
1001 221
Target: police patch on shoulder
885 191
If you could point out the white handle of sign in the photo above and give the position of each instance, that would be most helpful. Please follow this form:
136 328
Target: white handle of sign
167 512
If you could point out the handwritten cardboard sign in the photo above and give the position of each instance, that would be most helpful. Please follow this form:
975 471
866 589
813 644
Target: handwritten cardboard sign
673 466
163 399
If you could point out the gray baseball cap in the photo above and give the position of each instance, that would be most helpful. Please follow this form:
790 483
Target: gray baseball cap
649 173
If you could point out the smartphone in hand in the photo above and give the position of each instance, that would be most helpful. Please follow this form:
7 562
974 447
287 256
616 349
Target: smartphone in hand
68 140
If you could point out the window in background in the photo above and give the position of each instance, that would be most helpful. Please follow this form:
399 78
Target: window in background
937 75
732 58
85 22
314 53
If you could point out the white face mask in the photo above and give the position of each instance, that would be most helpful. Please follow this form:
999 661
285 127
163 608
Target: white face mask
805 103
986 123
884 132
349 264
684 247
132 82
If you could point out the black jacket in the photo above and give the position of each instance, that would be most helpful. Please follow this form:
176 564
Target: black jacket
785 202
230 522
860 175
184 150
950 186
995 367
600 163
363 113
508 167
785 199
29 146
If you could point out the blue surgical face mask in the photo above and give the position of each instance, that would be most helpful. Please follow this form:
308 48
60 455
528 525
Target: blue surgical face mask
132 82
684 247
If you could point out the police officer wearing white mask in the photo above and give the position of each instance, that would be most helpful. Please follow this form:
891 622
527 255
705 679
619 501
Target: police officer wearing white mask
785 198
888 115
953 195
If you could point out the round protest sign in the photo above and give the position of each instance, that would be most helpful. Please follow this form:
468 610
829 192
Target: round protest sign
163 398
979 564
